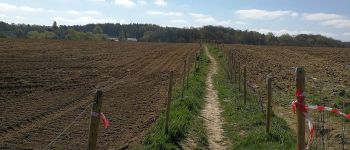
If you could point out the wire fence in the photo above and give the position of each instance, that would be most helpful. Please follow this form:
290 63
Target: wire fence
330 132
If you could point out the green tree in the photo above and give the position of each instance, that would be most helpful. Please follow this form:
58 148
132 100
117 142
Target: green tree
147 36
72 35
61 32
97 30
2 35
48 35
19 33
54 25
33 35
270 39
286 39
88 36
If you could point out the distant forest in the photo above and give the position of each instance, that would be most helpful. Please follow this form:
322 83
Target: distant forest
156 33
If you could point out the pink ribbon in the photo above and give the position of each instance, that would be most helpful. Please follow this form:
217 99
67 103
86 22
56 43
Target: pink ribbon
104 120
102 117
299 103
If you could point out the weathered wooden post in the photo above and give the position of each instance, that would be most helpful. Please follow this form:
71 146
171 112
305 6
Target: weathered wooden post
268 109
245 85
239 76
201 51
188 71
300 84
195 62
234 70
199 61
231 67
167 115
343 141
183 79
94 123
228 68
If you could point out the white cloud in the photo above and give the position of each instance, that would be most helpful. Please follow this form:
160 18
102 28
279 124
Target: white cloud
125 3
292 32
51 11
239 23
160 2
92 12
202 18
73 12
85 20
82 13
30 9
3 16
20 18
321 16
265 14
224 22
334 20
142 2
4 7
337 23
180 21
93 20
58 18
346 34
161 13
294 14
281 31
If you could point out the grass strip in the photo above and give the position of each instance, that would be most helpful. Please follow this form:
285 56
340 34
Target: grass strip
183 115
244 126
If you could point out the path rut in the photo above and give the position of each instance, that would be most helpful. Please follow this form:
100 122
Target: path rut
211 112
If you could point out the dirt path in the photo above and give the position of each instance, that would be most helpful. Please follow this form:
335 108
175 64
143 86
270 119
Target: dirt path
211 112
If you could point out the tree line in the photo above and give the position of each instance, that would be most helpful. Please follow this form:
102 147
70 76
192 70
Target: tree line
156 33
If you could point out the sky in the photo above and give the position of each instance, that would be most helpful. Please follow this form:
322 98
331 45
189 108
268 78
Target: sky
326 17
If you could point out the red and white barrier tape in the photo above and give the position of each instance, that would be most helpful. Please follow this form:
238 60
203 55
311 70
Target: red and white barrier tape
299 103
102 117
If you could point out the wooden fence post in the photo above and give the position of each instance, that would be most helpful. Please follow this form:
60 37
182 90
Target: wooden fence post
188 71
167 115
245 85
195 63
234 70
202 51
268 108
199 61
227 56
94 123
300 84
232 65
183 79
239 76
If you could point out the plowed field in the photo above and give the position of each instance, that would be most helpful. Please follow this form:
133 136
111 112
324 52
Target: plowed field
44 85
328 65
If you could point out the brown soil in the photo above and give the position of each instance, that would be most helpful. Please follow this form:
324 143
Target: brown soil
46 84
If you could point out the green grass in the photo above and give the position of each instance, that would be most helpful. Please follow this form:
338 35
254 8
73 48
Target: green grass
199 134
244 126
183 115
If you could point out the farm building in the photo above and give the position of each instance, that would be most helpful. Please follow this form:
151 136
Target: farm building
131 39
113 39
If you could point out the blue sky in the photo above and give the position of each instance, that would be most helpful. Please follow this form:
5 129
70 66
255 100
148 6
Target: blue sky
326 17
